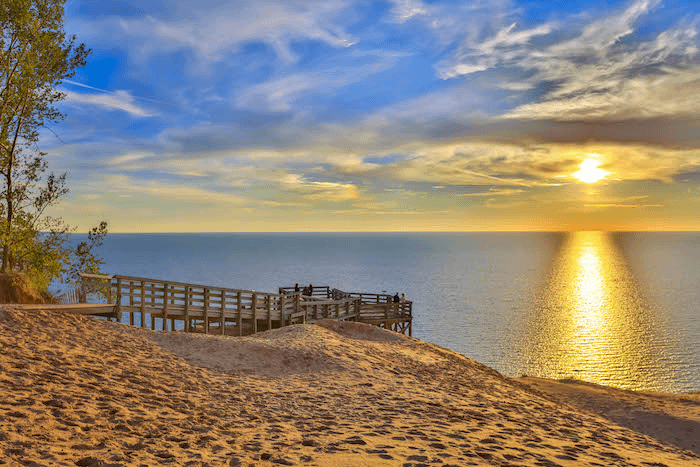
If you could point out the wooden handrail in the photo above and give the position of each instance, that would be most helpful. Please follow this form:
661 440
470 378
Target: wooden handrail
198 286
96 276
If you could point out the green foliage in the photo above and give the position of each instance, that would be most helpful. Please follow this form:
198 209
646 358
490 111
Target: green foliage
35 56
83 259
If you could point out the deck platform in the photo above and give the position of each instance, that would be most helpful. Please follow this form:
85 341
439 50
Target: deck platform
170 305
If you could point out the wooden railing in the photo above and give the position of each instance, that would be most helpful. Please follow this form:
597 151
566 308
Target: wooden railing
317 291
202 308
70 296
377 309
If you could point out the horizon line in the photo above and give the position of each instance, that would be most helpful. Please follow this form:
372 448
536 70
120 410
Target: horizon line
397 231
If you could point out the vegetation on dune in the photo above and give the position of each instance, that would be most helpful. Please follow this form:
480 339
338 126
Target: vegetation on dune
35 56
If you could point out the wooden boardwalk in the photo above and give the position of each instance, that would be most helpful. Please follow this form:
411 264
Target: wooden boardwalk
169 305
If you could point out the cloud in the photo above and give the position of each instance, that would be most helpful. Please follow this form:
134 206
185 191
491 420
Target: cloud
508 44
619 205
495 192
673 94
279 94
171 192
320 191
600 70
117 100
404 10
212 31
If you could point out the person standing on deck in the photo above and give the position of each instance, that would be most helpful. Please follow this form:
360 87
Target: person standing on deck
396 298
403 298
296 287
311 290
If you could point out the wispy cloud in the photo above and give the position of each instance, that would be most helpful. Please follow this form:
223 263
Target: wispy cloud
331 192
404 10
117 100
279 95
495 192
214 32
173 192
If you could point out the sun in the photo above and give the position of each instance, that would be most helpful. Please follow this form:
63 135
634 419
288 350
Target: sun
590 173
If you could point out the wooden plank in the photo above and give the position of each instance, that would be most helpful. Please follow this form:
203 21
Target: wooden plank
100 309
254 306
183 284
206 311
143 305
223 313
283 305
240 313
165 307
117 308
153 303
96 276
268 307
187 309
131 302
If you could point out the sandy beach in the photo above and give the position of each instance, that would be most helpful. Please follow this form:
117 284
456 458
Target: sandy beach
87 392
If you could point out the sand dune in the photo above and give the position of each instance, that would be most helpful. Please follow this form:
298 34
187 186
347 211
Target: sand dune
80 391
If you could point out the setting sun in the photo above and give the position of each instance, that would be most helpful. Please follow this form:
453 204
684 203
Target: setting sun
590 173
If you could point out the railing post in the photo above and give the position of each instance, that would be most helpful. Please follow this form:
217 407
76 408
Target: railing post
117 306
165 307
254 306
239 306
268 306
187 308
143 304
386 315
206 311
223 312
131 303
282 304
82 291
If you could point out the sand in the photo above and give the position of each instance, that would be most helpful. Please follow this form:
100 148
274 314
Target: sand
82 391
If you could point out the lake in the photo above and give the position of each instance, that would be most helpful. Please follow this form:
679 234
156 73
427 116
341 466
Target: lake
618 309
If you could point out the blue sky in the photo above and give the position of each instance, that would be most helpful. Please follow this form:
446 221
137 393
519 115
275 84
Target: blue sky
403 115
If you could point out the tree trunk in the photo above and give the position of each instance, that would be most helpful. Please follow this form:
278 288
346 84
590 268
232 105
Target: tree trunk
8 230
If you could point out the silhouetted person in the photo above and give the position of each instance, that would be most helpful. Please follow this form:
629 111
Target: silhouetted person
296 287
396 298
311 290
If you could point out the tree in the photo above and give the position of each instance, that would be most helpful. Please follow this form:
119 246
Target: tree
35 56
82 257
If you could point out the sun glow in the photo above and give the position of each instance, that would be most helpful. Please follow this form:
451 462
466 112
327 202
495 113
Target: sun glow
590 173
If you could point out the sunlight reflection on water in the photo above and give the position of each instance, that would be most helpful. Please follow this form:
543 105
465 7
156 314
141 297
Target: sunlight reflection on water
593 324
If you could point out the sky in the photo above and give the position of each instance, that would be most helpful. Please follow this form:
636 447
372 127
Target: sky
406 115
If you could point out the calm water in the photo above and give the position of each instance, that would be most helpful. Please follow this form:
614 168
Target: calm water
618 309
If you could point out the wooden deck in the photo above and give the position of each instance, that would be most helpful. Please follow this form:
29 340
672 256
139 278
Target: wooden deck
169 305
